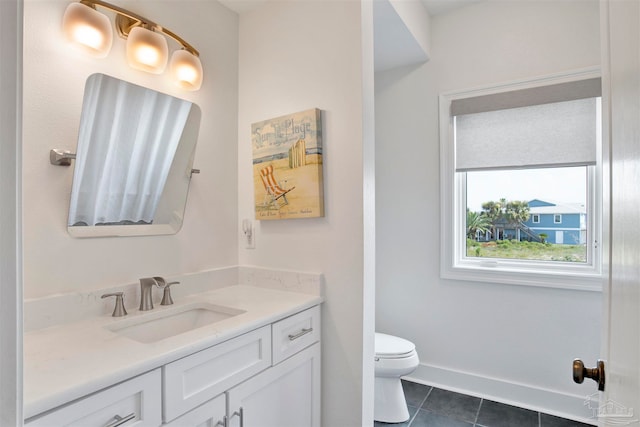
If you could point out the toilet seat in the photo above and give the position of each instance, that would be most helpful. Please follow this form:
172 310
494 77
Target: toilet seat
392 347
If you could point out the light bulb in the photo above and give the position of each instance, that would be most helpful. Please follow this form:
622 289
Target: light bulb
186 70
88 29
147 50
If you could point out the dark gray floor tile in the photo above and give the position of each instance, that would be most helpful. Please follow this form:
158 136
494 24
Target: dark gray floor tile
426 418
494 414
415 393
547 420
454 405
412 412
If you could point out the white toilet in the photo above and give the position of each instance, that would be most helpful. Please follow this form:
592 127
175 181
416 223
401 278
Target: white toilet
395 357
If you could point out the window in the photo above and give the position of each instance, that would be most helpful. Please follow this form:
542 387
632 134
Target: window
520 183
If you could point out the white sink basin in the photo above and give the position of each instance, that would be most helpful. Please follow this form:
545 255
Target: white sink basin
152 327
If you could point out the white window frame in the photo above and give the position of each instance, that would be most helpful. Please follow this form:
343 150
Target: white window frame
535 218
454 264
559 216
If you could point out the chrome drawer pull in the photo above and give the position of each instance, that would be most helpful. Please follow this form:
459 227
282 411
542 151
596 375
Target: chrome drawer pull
293 337
118 420
240 413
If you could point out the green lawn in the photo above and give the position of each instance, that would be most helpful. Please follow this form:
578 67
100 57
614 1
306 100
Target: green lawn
527 250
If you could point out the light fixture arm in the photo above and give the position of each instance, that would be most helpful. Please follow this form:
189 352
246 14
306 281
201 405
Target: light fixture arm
126 20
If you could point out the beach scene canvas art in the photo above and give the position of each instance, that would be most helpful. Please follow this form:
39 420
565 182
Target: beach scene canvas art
287 166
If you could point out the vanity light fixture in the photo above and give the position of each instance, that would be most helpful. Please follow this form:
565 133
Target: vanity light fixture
147 47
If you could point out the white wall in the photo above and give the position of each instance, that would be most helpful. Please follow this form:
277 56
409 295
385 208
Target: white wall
418 22
401 33
510 343
295 56
54 78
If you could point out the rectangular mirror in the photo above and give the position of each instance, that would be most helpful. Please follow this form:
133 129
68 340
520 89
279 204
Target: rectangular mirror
133 161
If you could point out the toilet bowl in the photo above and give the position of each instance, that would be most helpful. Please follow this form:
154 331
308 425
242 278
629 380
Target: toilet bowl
394 358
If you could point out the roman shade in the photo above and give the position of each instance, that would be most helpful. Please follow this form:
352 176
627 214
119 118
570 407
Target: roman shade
548 126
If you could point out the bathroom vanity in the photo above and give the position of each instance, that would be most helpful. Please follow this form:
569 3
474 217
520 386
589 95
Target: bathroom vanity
258 365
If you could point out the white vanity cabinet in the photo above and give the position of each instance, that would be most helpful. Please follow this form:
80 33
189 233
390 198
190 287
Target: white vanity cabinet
286 393
268 377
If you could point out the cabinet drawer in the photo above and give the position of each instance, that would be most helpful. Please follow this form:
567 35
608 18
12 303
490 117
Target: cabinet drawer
138 400
295 333
193 380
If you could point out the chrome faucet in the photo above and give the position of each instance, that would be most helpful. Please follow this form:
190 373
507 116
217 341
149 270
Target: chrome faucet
146 296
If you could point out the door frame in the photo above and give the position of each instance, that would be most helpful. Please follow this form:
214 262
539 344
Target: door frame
620 335
11 18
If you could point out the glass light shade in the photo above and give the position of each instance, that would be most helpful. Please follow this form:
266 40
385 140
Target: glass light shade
186 70
88 29
147 51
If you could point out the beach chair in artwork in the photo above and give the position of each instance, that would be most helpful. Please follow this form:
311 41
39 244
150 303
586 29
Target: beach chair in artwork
276 196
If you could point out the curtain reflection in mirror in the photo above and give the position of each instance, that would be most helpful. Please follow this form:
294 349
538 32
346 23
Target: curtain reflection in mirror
127 141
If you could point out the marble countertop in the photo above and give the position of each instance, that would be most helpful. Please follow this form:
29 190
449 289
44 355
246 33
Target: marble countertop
67 361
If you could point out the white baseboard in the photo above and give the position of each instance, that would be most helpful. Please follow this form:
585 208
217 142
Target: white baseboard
572 406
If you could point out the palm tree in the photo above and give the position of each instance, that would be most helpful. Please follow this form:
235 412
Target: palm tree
493 211
477 222
517 213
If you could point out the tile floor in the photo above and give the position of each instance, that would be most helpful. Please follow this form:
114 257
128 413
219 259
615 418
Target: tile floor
434 407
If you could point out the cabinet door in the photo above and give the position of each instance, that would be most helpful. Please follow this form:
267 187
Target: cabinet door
209 414
285 395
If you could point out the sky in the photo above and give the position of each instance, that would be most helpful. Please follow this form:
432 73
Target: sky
565 185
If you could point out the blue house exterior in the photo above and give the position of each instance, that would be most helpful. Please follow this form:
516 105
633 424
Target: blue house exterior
562 223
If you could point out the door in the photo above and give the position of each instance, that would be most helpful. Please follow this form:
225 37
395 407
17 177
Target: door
559 237
620 402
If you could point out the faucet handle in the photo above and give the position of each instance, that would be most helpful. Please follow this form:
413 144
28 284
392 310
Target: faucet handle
166 296
118 310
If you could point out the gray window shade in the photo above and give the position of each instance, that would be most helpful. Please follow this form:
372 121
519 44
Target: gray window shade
552 134
569 91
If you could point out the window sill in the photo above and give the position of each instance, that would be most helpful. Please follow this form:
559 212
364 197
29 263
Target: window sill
491 272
